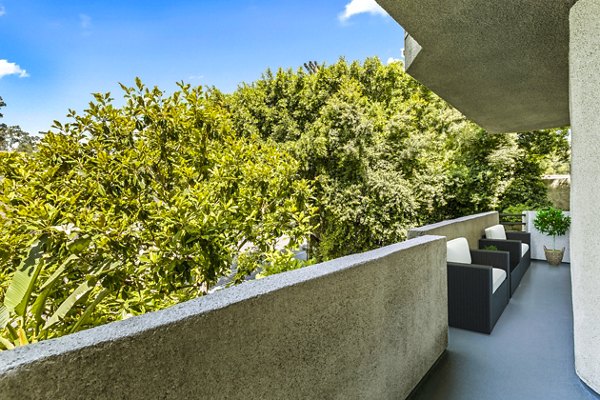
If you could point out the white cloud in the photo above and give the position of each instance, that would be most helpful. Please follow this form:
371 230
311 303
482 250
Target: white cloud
400 59
2 10
8 68
356 7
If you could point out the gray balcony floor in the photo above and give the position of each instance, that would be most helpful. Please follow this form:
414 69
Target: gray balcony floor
528 356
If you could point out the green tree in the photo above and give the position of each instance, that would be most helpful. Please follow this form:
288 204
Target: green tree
132 209
14 138
386 153
539 152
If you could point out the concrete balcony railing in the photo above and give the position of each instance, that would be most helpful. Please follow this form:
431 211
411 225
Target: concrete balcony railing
471 227
366 326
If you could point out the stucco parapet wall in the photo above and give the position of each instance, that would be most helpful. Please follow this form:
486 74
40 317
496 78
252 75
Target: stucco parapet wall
471 227
504 64
367 326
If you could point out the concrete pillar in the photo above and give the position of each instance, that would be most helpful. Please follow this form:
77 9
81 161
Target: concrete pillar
584 82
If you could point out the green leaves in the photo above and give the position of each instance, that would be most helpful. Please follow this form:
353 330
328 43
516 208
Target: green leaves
387 154
143 206
4 316
552 221
18 292
67 305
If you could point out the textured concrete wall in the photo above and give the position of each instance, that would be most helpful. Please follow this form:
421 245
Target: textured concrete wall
367 326
411 50
539 240
501 63
584 62
471 227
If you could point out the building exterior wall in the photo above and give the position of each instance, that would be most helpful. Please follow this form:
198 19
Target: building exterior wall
503 64
584 62
366 326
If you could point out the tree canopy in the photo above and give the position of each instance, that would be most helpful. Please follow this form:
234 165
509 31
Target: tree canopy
387 154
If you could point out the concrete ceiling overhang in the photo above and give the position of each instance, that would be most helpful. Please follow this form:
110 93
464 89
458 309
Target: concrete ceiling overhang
502 63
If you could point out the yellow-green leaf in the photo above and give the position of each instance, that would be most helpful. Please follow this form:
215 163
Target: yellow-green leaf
21 286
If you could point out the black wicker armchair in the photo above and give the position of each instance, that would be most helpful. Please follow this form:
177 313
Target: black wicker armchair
478 291
518 244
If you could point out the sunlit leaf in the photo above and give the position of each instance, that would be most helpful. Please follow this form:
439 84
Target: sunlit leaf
21 285
67 305
4 317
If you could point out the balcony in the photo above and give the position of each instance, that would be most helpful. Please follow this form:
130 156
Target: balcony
366 326
479 56
529 355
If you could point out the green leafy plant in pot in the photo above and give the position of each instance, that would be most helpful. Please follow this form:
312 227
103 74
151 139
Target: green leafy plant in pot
552 222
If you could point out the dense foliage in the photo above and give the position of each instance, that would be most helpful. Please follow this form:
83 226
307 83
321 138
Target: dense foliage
387 154
130 209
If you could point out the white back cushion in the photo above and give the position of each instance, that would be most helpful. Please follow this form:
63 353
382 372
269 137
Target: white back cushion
495 232
458 251
524 248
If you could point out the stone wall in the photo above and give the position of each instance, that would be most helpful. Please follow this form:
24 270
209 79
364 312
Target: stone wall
367 326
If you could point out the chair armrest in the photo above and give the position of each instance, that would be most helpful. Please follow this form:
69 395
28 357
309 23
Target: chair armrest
497 259
473 278
512 246
524 237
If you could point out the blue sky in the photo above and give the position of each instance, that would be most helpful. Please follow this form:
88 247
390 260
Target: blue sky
54 54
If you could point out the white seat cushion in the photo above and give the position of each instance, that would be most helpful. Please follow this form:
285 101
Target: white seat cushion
495 232
498 276
524 248
458 251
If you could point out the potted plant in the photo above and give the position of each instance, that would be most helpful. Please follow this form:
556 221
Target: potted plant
552 222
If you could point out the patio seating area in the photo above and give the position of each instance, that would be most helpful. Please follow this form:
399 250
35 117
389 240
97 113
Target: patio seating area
529 354
325 330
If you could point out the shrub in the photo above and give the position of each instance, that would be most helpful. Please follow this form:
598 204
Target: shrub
553 222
